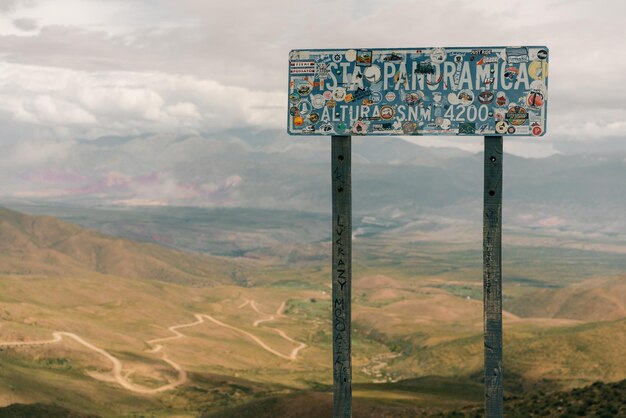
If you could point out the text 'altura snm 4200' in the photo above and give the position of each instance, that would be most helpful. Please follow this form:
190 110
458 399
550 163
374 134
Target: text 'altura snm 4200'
420 91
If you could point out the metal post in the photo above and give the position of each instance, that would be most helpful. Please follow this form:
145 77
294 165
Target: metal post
342 276
492 276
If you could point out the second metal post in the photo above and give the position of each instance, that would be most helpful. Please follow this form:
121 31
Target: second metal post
492 276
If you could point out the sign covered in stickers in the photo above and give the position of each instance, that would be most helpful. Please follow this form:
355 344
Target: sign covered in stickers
422 91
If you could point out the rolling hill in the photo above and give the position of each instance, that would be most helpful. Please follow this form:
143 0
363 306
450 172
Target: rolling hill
602 400
592 300
39 410
48 247
118 328
597 400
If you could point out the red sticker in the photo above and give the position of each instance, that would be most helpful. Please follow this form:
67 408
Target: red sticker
387 112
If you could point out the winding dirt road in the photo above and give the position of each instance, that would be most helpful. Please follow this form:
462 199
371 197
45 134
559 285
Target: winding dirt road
279 312
174 329
117 368
117 365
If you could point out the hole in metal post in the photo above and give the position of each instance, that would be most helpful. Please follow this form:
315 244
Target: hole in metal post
493 159
340 189
492 193
340 158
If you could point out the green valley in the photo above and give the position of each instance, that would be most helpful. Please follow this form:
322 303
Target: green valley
111 327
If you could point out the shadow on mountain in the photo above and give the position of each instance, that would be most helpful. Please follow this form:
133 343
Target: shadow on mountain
602 400
39 410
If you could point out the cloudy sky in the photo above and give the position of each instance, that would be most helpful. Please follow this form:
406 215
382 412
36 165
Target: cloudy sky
81 69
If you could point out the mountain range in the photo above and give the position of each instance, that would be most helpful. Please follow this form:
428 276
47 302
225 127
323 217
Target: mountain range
269 170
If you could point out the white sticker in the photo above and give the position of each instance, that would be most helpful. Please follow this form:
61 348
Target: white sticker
339 93
438 55
318 101
373 74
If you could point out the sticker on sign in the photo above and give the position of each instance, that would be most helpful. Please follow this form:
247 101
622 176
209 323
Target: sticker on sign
461 91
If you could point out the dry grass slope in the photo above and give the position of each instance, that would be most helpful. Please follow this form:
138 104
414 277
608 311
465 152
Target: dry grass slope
599 400
39 410
45 246
56 276
592 300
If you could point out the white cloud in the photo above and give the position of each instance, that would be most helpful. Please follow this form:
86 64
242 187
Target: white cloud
104 103
184 111
133 65
10 6
120 100
26 24
46 110
35 152
530 147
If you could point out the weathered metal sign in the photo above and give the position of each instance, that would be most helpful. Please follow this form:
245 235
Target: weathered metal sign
422 91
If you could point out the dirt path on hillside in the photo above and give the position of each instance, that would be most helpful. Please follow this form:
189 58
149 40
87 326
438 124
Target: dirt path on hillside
279 312
117 365
257 310
174 329
292 356
117 369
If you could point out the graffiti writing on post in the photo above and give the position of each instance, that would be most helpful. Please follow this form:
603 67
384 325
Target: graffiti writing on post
341 273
